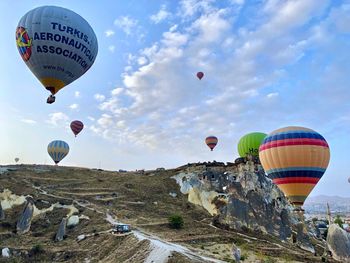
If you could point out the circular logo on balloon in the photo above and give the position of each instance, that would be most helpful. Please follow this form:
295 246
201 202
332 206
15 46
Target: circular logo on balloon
24 43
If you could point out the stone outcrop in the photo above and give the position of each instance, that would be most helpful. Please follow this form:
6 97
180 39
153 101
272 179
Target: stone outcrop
25 220
73 221
2 213
241 196
61 233
339 243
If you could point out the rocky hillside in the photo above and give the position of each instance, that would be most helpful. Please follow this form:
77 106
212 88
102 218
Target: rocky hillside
54 214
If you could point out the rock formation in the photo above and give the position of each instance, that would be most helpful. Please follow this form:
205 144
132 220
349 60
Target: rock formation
61 230
241 196
339 243
24 222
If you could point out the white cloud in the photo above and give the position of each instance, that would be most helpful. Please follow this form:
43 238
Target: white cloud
77 94
74 106
117 91
161 15
111 48
28 121
162 104
99 97
237 2
126 23
105 120
57 119
141 61
272 95
109 33
91 118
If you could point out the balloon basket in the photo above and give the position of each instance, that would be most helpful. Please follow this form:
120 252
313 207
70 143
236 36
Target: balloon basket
51 99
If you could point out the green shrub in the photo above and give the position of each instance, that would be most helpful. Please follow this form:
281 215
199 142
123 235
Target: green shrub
339 221
37 249
176 221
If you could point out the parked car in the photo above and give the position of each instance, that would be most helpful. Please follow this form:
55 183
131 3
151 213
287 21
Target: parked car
121 229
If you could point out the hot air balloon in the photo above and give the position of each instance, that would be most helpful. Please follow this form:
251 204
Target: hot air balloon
16 159
57 150
349 179
76 127
57 45
295 158
200 75
249 144
211 141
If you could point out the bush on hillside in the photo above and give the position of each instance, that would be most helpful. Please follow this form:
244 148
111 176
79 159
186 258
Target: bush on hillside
176 221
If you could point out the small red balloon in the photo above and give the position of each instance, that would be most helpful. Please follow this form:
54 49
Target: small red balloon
76 127
200 75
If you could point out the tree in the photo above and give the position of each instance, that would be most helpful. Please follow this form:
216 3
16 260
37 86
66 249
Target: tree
339 221
176 221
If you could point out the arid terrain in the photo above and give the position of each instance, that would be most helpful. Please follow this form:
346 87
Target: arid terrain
141 199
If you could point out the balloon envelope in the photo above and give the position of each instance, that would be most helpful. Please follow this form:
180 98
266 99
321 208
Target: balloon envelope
76 127
200 75
57 150
211 141
295 158
16 160
250 143
56 44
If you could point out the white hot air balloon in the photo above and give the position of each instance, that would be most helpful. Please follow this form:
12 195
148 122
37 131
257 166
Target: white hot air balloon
57 45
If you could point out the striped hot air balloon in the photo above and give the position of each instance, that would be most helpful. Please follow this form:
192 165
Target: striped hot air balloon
211 141
295 158
76 127
57 150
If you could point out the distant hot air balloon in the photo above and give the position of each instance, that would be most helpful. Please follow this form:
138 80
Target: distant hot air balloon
211 141
249 144
200 75
57 45
76 127
295 158
57 150
349 179
16 159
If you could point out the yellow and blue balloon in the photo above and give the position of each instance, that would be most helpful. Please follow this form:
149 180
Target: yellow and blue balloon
58 150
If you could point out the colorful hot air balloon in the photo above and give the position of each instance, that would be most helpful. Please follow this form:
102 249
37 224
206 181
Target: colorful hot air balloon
249 144
57 45
16 159
200 75
57 150
295 158
211 141
76 127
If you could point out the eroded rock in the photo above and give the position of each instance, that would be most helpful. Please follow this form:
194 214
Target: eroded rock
338 241
25 220
2 213
61 233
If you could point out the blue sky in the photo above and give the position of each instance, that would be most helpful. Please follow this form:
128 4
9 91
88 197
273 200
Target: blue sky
267 64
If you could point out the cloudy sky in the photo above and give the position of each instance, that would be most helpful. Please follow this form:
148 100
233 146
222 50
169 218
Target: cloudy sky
267 64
